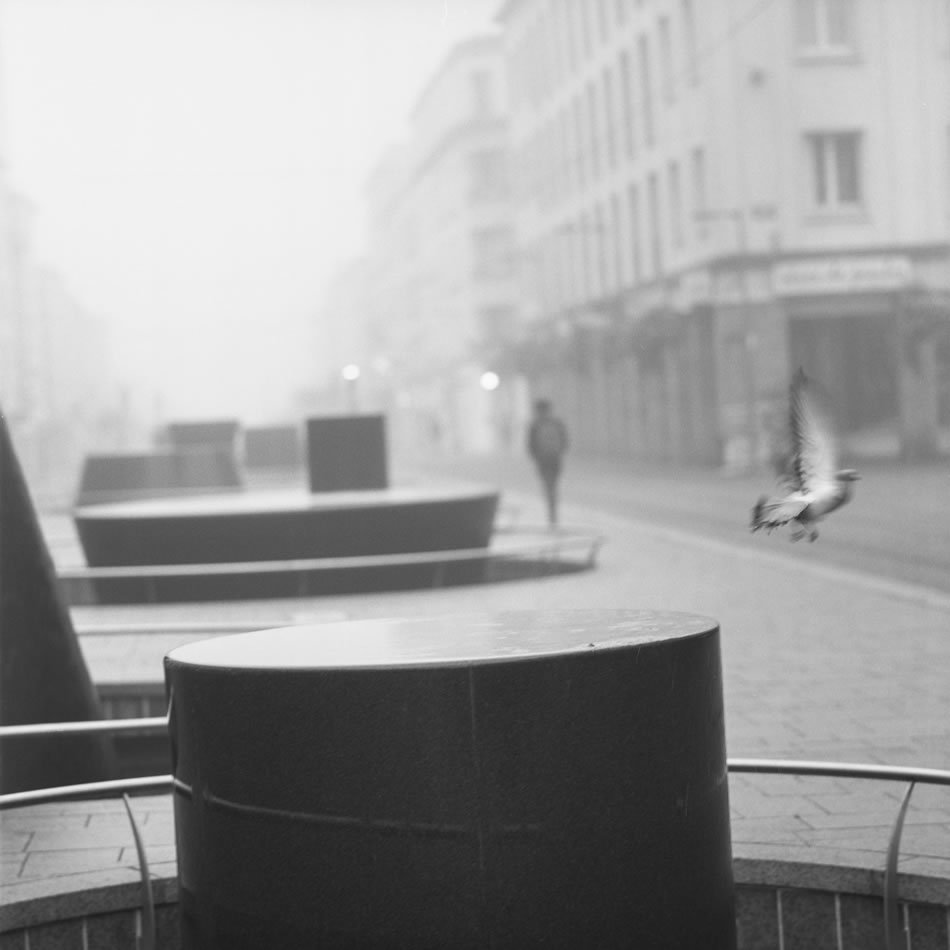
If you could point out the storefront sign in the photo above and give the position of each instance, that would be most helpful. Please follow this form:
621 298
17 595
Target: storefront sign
841 275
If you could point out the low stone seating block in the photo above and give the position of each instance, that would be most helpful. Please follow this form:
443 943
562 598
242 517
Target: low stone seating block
285 525
133 475
346 453
272 447
217 432
545 779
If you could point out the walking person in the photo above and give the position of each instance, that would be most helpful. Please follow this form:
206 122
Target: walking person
547 443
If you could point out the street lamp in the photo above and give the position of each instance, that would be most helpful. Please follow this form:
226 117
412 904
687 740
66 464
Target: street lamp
490 381
351 375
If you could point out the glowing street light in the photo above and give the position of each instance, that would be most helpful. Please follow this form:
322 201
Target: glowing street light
490 381
351 375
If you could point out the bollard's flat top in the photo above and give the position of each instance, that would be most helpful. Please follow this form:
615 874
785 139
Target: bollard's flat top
441 641
277 500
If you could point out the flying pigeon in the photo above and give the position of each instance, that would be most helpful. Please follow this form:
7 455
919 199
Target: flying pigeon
816 486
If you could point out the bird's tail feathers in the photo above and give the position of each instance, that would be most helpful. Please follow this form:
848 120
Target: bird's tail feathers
772 513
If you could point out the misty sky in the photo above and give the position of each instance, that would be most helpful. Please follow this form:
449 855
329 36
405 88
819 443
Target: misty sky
198 166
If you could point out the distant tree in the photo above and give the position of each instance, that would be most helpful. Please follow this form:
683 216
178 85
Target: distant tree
43 676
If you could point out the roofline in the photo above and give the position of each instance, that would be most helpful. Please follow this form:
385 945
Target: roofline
462 46
506 9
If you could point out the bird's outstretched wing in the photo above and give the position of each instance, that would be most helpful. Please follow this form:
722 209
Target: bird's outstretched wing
814 451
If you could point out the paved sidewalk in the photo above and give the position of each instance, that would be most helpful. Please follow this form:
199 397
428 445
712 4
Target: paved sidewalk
819 663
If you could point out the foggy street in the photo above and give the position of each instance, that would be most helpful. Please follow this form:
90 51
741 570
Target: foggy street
836 649
896 526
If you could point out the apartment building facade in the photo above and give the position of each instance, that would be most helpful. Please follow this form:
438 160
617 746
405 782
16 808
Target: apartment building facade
442 257
710 194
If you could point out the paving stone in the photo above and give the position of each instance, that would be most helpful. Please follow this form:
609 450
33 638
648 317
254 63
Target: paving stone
14 842
155 854
29 821
784 829
41 864
759 806
882 818
11 865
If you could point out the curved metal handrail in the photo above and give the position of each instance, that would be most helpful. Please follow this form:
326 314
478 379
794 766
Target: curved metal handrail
892 773
910 774
106 789
893 931
140 724
899 773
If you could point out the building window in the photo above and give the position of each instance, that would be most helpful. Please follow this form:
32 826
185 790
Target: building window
493 253
482 93
593 130
488 175
598 245
587 27
667 89
825 26
579 127
602 20
698 176
610 111
653 225
626 105
646 93
676 203
835 159
587 276
616 240
689 40
572 34
633 204
564 182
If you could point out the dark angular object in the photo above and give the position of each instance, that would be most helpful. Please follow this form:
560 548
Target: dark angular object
347 452
132 476
272 447
545 779
218 432
43 676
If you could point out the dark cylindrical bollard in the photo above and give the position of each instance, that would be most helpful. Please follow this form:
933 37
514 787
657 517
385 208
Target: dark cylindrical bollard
525 779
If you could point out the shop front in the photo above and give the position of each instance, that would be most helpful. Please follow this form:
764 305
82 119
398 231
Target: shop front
873 335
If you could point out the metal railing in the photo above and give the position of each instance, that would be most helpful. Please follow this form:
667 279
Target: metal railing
894 937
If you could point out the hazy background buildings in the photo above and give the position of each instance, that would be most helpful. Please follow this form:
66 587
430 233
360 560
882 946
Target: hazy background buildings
688 201
57 383
650 210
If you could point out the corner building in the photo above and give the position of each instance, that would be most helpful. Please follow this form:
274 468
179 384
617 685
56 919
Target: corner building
442 257
711 193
